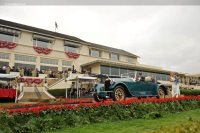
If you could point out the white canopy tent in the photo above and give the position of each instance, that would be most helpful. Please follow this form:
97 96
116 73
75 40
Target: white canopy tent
78 79
8 77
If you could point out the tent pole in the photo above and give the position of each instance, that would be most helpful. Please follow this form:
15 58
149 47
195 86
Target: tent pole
16 96
77 87
66 92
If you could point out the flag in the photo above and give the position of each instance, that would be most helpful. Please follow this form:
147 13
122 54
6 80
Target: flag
56 25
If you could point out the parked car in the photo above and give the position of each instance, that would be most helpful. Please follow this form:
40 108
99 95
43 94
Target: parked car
120 88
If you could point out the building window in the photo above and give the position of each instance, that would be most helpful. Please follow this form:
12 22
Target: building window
49 68
123 71
105 70
2 63
42 43
72 49
71 46
28 66
25 58
67 63
115 71
9 37
49 61
114 56
95 53
4 56
129 59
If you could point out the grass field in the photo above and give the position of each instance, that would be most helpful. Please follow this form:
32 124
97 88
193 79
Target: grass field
137 125
9 104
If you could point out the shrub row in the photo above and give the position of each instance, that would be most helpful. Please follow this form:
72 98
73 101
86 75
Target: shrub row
58 117
190 92
58 93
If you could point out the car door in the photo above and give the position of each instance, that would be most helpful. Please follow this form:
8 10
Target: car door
141 88
146 88
134 88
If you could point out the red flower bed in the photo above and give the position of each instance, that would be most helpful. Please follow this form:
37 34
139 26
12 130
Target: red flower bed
68 100
36 108
56 115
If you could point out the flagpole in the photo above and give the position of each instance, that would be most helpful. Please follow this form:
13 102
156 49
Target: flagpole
56 26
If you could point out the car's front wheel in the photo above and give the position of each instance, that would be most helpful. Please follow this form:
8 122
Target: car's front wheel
96 98
118 93
161 93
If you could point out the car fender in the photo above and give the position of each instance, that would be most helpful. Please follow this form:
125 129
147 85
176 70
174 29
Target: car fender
98 88
121 84
161 85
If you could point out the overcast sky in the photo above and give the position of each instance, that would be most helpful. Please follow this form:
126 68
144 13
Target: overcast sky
164 36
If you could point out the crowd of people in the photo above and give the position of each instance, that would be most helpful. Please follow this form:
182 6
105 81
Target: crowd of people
194 82
142 78
23 71
7 85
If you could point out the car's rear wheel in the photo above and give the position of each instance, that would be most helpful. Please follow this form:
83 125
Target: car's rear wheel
161 93
118 93
96 98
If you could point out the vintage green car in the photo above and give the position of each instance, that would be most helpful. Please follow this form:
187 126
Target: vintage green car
120 88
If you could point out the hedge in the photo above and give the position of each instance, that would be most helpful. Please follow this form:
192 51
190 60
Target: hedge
190 92
46 118
58 92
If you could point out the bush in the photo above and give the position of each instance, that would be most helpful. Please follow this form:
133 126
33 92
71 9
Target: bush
49 117
58 93
190 92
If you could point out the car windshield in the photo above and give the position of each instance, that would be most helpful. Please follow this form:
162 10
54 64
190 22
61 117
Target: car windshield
128 75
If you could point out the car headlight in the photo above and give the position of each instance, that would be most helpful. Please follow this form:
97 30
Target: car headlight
111 81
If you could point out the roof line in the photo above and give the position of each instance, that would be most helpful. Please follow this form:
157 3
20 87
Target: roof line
40 31
127 65
48 33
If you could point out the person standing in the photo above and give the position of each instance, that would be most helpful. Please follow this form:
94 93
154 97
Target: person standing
33 73
175 85
139 77
22 71
90 86
8 70
25 71
153 79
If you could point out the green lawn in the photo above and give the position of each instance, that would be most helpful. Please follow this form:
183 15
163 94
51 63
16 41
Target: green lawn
9 104
137 125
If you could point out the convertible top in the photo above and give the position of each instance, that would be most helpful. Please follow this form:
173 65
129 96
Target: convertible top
80 78
105 76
